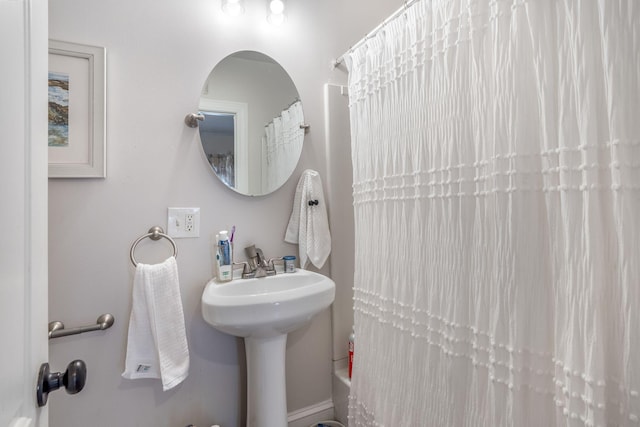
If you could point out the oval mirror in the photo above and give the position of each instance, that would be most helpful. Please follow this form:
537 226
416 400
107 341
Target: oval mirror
253 125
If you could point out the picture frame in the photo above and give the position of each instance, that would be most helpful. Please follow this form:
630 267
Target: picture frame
77 110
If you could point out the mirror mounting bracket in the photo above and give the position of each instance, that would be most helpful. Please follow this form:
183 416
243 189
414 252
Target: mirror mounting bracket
192 119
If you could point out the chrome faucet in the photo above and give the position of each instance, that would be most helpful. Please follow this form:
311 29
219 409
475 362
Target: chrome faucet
257 265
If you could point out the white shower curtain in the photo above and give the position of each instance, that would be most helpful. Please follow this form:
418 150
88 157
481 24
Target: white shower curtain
281 147
496 158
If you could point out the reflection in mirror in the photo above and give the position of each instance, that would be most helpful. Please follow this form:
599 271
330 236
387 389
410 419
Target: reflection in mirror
252 133
217 140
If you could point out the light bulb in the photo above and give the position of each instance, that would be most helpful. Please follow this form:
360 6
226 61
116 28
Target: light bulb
233 7
277 7
276 19
276 15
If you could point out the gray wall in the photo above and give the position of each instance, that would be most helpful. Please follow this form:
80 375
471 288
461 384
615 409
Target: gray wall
159 53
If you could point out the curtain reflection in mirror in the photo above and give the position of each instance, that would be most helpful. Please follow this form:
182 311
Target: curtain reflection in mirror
223 166
281 146
217 133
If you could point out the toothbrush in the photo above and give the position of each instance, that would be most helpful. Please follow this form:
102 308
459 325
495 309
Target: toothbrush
233 231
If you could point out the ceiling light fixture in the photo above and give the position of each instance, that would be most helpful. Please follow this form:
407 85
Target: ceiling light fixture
233 7
276 14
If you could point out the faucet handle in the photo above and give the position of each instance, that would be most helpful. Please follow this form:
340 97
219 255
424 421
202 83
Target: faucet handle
251 251
246 269
271 263
252 256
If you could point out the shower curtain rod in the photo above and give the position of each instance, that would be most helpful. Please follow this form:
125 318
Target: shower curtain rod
297 99
375 31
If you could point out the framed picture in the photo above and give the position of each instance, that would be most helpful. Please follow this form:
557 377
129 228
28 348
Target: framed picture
77 132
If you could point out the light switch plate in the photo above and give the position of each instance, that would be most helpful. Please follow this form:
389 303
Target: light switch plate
183 222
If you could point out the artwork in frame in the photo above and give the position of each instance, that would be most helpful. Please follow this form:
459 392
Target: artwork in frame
77 101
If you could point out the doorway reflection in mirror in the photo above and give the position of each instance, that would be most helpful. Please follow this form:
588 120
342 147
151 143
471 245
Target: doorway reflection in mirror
217 136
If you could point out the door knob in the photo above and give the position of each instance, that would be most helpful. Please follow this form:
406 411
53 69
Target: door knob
73 380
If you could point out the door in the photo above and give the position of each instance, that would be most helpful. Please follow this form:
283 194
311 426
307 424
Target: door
23 208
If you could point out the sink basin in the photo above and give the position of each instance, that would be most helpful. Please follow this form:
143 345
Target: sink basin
263 311
267 306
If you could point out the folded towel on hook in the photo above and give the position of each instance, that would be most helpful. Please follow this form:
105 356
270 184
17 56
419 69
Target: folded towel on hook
309 224
157 340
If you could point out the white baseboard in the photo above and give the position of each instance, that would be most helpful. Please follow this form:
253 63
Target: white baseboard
311 414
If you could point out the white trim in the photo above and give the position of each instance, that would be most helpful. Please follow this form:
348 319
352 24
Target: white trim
23 265
21 422
240 110
36 310
308 415
342 374
340 387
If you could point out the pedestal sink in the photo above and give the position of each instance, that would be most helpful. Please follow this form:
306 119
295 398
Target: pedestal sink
263 311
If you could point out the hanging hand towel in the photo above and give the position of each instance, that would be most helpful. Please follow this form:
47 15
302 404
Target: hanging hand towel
309 225
157 341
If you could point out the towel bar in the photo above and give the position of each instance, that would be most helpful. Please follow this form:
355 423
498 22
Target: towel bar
57 330
155 233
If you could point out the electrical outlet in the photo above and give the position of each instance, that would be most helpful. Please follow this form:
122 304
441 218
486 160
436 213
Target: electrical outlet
183 222
188 222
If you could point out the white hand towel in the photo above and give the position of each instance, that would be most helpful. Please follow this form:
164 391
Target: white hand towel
309 225
157 341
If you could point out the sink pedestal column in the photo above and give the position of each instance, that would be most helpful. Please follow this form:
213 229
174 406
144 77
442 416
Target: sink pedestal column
266 387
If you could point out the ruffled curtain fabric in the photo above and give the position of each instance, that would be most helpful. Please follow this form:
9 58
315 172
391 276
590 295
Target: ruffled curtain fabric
281 147
496 159
224 167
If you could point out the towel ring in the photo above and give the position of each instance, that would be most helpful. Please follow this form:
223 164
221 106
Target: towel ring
155 233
